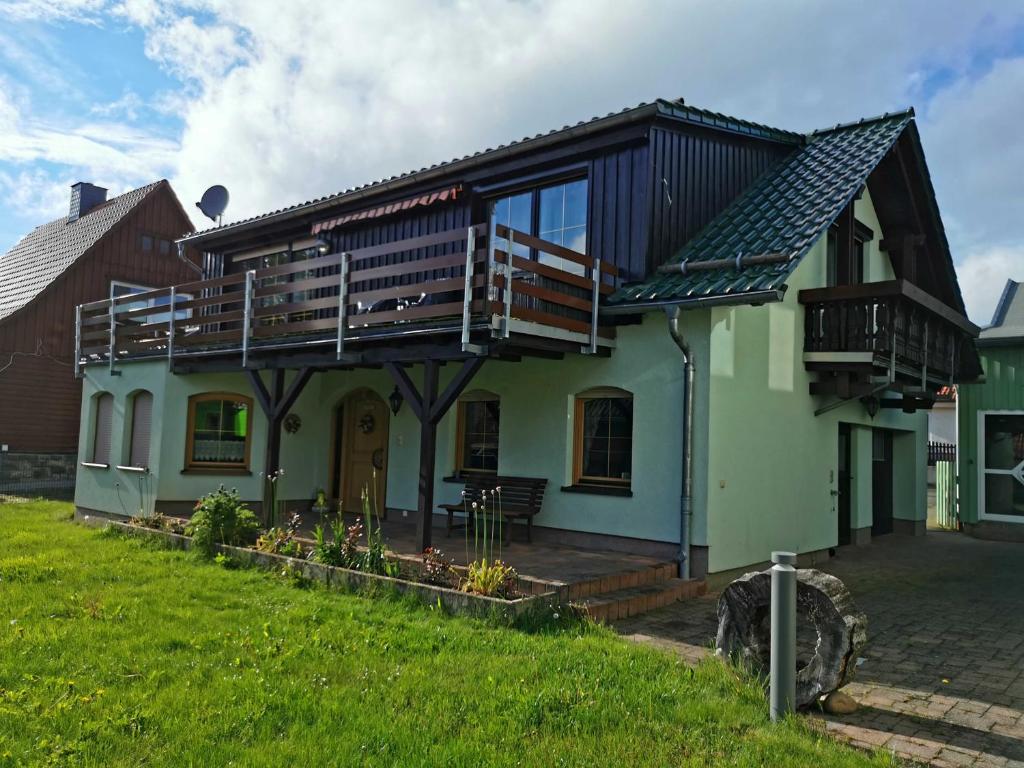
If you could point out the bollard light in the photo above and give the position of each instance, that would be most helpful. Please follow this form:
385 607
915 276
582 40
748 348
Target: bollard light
782 673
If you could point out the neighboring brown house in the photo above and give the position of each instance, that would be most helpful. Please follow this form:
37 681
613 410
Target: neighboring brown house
123 245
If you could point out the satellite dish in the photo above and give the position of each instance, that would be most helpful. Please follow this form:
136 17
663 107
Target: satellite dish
214 201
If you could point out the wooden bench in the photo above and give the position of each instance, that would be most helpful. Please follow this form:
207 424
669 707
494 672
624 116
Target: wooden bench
521 499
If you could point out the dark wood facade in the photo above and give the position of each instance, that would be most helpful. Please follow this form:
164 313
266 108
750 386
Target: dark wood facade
40 398
651 185
693 176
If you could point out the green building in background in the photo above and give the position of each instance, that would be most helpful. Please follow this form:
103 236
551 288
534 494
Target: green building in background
991 428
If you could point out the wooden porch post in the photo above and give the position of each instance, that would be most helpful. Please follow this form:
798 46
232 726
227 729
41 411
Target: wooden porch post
428 457
430 408
275 406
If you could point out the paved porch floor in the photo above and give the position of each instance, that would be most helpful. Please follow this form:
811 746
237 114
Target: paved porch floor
559 565
943 677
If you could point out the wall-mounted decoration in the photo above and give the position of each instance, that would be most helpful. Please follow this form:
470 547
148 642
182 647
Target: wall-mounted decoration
292 423
367 423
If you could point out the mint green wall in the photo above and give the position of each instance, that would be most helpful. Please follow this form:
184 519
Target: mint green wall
773 463
535 440
877 265
115 490
860 476
1001 390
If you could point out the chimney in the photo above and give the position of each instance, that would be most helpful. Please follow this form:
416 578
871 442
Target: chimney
85 197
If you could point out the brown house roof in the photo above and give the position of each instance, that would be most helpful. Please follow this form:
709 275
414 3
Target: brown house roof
46 252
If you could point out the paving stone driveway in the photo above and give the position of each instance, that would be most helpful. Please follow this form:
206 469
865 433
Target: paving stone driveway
943 677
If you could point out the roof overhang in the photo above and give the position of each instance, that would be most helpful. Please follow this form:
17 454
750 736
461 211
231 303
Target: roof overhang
698 302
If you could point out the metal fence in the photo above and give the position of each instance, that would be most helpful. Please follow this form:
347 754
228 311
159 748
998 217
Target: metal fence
940 452
27 475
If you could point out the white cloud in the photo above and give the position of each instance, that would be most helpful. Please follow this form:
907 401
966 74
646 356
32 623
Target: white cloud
983 274
284 105
35 194
78 11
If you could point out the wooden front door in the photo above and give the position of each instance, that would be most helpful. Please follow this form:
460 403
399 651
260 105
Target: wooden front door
363 463
843 489
881 482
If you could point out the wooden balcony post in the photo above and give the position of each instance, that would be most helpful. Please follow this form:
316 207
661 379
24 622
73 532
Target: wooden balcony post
506 329
170 330
342 305
112 354
467 292
250 276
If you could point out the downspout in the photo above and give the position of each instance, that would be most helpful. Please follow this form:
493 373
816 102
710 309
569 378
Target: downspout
686 490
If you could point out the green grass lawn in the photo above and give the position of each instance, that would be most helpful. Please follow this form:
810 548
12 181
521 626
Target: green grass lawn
115 652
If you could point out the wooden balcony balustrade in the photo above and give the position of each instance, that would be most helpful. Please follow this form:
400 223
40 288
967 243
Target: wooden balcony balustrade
892 325
449 280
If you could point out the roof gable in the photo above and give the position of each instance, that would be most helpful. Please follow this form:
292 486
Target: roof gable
783 214
1008 320
49 250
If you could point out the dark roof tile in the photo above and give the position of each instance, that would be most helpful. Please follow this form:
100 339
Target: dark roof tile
785 211
48 250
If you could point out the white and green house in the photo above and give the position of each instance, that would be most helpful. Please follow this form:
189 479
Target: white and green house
712 338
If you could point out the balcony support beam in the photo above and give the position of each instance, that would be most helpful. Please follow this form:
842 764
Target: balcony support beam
429 405
275 403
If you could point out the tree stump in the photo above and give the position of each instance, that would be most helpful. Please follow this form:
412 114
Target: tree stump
744 629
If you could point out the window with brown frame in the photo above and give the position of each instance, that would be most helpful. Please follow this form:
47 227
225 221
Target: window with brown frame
603 427
219 431
142 417
478 422
101 434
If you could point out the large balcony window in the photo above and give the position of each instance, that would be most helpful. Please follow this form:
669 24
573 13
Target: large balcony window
556 213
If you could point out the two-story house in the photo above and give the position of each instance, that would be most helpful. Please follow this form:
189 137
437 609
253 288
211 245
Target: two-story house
711 337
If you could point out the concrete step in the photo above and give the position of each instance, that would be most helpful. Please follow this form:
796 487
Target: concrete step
632 601
654 574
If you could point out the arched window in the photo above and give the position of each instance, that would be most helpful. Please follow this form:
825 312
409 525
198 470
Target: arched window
142 419
104 414
478 422
603 448
219 431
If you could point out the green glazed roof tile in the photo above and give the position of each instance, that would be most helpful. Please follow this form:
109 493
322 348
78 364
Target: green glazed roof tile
785 211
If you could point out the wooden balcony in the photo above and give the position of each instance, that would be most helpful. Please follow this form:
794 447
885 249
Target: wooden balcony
449 288
887 335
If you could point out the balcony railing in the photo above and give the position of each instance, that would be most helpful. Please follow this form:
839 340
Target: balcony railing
440 280
898 324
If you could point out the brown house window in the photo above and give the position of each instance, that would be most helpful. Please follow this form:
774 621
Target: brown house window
219 431
142 419
101 434
478 422
603 446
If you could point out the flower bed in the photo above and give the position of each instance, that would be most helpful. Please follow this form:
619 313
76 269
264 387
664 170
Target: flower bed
453 600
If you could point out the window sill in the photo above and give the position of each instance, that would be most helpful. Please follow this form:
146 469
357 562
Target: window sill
462 477
598 490
240 471
95 465
129 468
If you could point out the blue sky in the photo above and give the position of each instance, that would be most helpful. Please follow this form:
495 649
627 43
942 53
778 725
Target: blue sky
285 102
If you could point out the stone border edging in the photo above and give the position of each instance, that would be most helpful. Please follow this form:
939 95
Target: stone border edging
454 601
